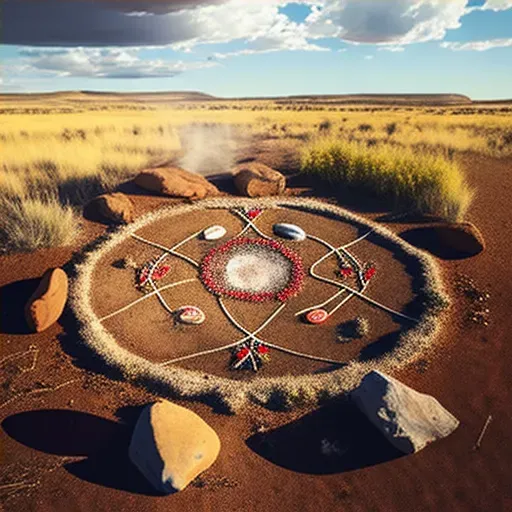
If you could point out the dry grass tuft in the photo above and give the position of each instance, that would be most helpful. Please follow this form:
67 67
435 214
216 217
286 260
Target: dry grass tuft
407 180
28 223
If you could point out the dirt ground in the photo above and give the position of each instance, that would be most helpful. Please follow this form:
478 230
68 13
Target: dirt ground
65 429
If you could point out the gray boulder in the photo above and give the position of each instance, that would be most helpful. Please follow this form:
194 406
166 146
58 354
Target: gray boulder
409 420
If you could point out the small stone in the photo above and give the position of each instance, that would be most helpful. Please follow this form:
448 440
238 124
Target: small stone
408 419
172 445
290 231
47 303
214 233
191 315
317 316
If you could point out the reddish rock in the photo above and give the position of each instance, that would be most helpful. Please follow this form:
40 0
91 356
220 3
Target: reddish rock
47 303
461 237
175 182
254 179
114 208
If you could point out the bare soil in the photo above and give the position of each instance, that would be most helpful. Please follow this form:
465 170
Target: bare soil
65 429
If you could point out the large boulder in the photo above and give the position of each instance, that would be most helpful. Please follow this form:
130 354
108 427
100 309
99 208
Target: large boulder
409 420
254 179
47 303
464 238
172 445
114 208
175 182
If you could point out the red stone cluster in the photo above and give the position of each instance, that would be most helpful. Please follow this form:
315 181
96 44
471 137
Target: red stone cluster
145 273
210 261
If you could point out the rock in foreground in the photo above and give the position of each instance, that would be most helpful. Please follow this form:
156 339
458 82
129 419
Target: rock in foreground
114 208
257 180
464 238
409 420
47 303
175 182
172 445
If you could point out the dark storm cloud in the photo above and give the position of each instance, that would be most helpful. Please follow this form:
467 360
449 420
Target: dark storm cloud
95 23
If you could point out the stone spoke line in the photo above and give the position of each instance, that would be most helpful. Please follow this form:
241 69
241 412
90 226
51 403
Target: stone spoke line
229 345
335 250
250 224
353 292
253 337
147 296
174 252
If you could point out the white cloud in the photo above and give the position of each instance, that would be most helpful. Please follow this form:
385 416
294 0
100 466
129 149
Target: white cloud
261 24
392 48
101 63
497 5
478 46
378 22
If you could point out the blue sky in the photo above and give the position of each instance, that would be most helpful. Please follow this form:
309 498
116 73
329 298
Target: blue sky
232 48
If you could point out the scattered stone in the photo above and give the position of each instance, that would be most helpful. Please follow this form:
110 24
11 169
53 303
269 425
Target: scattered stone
254 179
317 316
214 233
464 238
191 315
408 419
290 231
114 208
47 303
478 300
172 445
175 182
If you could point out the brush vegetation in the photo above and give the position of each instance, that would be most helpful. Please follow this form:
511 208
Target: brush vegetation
58 151
407 180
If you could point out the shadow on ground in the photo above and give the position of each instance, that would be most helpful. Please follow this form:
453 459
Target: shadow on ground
13 298
426 238
333 439
103 444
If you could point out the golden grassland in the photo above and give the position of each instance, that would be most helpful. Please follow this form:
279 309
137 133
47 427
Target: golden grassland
58 154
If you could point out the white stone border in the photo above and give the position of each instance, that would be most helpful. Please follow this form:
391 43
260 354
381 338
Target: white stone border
274 392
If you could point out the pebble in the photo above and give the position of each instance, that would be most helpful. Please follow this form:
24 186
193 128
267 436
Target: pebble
191 315
317 316
214 233
290 231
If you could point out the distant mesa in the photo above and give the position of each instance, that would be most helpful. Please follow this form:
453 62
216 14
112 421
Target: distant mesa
196 96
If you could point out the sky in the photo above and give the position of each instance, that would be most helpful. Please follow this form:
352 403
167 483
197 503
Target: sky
248 48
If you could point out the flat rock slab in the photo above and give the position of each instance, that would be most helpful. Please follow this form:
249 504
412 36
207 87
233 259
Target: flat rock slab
175 182
46 304
172 445
463 237
408 419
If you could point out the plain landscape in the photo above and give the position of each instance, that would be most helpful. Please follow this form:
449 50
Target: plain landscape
407 162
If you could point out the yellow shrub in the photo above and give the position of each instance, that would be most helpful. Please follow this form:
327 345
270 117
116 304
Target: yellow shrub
407 180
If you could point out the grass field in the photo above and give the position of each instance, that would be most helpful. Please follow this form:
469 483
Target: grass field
57 153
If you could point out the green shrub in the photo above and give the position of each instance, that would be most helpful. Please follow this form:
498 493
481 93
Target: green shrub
406 180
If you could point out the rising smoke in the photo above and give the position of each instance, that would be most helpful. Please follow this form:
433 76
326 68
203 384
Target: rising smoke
210 148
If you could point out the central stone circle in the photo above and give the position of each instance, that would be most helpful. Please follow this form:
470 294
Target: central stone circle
253 269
